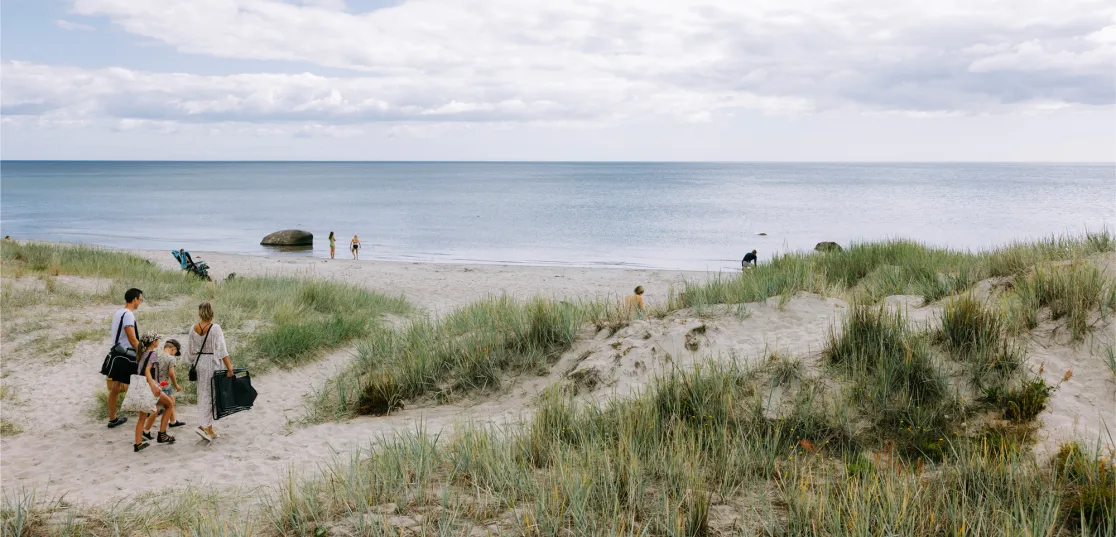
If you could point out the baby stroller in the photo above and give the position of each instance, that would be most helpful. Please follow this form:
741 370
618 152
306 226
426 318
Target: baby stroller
199 268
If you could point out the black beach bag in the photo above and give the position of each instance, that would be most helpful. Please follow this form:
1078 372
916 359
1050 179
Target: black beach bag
194 368
232 394
120 362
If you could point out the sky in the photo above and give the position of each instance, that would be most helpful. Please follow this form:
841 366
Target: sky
688 80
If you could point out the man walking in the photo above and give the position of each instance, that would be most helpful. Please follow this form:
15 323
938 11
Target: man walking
749 258
125 334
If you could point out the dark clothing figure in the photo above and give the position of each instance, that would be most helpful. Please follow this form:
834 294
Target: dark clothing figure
749 257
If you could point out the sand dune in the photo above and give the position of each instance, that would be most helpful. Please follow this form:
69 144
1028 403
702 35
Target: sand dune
64 452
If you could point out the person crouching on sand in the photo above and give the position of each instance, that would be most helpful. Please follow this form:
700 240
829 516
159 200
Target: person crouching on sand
168 383
634 303
749 259
354 246
149 343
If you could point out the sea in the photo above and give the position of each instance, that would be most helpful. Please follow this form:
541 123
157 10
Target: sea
687 216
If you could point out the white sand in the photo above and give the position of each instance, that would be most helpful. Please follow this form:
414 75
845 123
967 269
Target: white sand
63 452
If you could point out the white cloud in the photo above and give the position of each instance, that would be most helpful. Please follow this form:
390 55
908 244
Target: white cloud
336 5
69 25
589 62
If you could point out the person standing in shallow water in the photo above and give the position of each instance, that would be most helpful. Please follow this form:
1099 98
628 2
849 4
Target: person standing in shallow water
207 346
332 245
354 247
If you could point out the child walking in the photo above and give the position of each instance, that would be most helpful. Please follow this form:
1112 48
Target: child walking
150 343
171 351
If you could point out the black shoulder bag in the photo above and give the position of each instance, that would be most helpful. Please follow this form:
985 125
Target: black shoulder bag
118 351
194 368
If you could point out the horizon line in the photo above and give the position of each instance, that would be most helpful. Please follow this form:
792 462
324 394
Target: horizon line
497 161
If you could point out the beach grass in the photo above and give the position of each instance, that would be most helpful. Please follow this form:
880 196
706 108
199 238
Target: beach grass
698 453
978 334
1108 355
269 321
875 443
697 446
870 271
1073 293
893 376
470 349
9 428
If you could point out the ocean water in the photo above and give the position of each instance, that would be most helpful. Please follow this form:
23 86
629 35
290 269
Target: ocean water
697 216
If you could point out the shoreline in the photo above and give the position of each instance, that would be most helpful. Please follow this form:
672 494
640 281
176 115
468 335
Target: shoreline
440 287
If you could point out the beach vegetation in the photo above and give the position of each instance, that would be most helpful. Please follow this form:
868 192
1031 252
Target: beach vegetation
877 444
9 428
269 321
871 271
893 376
977 334
470 349
1108 355
696 454
1020 403
1076 293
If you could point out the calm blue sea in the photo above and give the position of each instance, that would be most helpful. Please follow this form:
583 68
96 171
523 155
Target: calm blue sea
662 215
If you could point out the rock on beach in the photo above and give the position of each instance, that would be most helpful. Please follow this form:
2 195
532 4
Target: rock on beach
289 237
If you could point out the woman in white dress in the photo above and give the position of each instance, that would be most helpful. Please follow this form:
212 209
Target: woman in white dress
207 339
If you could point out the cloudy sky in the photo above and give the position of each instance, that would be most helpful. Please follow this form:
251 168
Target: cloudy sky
727 80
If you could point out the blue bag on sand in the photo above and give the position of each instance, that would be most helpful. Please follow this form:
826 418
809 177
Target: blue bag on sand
232 394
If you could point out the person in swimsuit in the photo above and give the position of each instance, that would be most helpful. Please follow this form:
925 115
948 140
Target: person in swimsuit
332 245
354 246
634 303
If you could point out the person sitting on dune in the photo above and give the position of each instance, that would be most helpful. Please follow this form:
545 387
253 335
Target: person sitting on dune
634 303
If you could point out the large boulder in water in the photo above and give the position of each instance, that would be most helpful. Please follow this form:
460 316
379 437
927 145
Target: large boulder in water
289 237
828 247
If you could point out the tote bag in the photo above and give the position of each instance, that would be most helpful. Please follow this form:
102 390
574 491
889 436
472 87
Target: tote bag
139 397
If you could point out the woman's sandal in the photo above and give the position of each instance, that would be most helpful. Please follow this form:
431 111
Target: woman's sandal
139 447
201 432
165 438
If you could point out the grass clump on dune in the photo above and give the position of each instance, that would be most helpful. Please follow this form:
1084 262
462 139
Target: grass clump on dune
1021 403
872 271
470 349
895 379
1072 292
977 334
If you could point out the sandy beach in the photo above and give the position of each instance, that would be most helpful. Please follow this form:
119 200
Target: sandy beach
64 452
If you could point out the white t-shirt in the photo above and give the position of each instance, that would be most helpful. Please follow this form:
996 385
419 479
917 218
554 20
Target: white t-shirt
121 338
